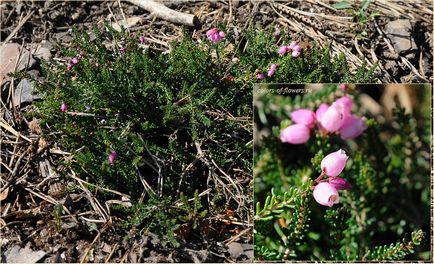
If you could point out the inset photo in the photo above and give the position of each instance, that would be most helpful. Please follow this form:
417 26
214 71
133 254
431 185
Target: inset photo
342 172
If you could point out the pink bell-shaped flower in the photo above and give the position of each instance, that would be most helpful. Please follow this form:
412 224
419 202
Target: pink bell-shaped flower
352 127
215 35
295 53
333 118
296 48
325 194
64 107
292 45
142 39
272 69
295 134
112 157
282 50
69 66
304 116
343 87
334 163
321 111
346 104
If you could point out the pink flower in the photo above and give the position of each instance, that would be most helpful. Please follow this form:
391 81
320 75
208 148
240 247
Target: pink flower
271 70
292 45
352 127
343 87
69 66
142 39
112 157
304 117
295 53
325 194
333 118
74 60
295 134
215 35
339 183
260 76
334 163
346 103
212 35
321 111
211 32
282 50
64 107
296 48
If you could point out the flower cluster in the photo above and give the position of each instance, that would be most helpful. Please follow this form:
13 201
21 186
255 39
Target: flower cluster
215 35
326 191
294 48
336 118
70 64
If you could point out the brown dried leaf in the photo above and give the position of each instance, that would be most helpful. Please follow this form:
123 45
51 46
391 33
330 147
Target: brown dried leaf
4 194
131 21
35 127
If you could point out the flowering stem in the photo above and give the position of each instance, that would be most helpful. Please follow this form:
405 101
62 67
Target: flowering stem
317 180
217 52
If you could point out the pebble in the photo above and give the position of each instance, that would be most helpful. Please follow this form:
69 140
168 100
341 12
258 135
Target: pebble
25 92
400 33
9 54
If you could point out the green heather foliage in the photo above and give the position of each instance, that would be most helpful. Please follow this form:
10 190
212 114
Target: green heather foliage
176 119
388 168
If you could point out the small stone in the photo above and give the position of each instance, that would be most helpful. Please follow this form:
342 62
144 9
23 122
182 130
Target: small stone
106 248
392 67
8 57
24 93
400 33
247 246
43 53
235 250
23 255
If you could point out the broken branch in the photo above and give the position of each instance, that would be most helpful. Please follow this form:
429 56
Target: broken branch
163 12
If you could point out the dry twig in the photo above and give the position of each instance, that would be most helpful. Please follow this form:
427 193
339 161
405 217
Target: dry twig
162 11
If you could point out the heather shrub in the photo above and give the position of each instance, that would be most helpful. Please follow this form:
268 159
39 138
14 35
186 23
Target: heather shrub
167 127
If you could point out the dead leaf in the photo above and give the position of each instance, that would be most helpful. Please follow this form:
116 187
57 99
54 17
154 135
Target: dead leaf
28 213
4 194
131 21
106 247
16 254
35 127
